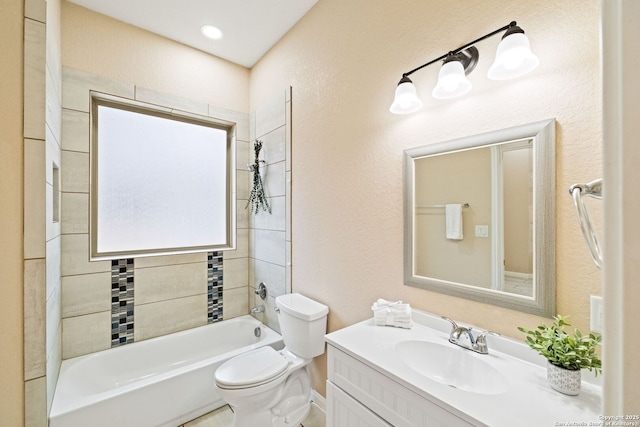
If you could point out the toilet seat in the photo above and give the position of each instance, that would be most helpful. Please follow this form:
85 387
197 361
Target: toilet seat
252 369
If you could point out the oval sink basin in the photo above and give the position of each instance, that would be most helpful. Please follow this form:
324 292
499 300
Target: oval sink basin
453 366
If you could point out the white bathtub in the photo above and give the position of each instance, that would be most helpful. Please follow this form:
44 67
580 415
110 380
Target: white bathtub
164 381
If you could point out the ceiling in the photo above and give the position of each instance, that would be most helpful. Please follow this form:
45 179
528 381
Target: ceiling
250 27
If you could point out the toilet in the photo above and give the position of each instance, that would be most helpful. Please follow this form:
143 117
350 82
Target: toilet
266 387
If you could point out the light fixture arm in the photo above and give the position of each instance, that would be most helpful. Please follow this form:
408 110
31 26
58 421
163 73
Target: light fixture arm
461 48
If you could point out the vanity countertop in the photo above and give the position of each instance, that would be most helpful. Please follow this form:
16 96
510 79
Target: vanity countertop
529 400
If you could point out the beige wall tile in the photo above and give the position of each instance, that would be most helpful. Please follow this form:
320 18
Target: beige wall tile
243 214
85 294
252 126
54 255
54 359
273 276
235 272
54 319
169 282
75 213
35 402
34 318
77 84
36 10
274 145
243 179
86 334
165 317
75 172
75 130
172 101
269 317
275 220
288 269
244 155
271 115
235 302
240 119
242 245
287 207
75 256
274 180
269 246
156 261
34 79
53 154
287 135
53 113
34 198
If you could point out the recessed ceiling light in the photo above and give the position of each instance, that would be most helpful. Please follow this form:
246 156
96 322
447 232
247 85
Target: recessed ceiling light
211 32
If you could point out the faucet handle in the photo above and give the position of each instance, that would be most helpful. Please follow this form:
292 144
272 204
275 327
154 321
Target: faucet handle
453 324
481 341
483 334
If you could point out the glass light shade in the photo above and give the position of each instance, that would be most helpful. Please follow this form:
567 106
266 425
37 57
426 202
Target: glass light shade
406 99
513 58
452 82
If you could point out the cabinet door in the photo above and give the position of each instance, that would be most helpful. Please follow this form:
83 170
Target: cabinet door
345 411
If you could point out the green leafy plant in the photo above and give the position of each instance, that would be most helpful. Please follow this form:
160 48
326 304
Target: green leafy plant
573 352
257 198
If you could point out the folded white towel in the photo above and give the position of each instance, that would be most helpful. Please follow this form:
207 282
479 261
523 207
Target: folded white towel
453 213
388 313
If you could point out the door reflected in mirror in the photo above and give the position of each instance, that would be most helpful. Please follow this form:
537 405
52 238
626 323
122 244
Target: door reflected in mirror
503 182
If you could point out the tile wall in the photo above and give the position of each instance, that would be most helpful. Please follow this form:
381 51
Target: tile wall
170 293
42 164
270 249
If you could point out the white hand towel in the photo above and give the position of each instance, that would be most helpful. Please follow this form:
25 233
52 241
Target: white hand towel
454 221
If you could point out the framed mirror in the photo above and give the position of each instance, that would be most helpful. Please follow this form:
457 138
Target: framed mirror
479 217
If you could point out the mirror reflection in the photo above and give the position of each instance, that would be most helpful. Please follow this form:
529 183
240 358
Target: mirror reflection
494 186
479 217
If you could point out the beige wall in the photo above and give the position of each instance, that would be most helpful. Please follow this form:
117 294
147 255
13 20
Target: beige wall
11 163
109 48
343 61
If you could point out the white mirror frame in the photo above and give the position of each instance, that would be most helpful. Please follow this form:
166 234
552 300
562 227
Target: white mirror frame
542 302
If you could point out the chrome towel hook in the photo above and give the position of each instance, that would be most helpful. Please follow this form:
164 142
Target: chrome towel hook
593 189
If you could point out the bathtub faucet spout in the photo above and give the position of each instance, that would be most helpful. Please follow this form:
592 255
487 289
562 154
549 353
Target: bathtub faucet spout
258 309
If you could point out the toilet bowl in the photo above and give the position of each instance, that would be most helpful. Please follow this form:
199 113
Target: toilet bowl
266 387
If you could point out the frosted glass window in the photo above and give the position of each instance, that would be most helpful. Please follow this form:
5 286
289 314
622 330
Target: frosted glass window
160 183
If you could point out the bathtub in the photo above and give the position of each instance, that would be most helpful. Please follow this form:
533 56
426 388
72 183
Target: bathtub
164 381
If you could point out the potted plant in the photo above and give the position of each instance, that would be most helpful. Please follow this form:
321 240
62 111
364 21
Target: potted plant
567 354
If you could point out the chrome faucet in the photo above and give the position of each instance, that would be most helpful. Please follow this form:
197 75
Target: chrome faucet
463 337
258 309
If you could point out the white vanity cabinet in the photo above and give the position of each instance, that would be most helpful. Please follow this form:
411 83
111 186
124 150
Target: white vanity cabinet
360 396
377 376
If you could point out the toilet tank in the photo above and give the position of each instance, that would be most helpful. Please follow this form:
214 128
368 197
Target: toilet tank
303 324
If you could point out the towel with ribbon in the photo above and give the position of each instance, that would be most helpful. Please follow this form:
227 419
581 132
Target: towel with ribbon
390 313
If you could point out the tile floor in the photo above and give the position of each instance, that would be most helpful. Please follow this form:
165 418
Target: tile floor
223 417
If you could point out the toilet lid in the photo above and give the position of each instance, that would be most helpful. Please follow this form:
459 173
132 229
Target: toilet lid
251 368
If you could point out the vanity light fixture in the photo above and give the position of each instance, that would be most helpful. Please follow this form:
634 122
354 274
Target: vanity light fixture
513 59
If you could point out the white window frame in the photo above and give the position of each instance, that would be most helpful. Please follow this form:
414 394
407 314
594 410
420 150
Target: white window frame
229 243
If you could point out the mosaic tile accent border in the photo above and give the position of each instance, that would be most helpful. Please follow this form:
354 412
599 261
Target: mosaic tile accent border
214 287
121 301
